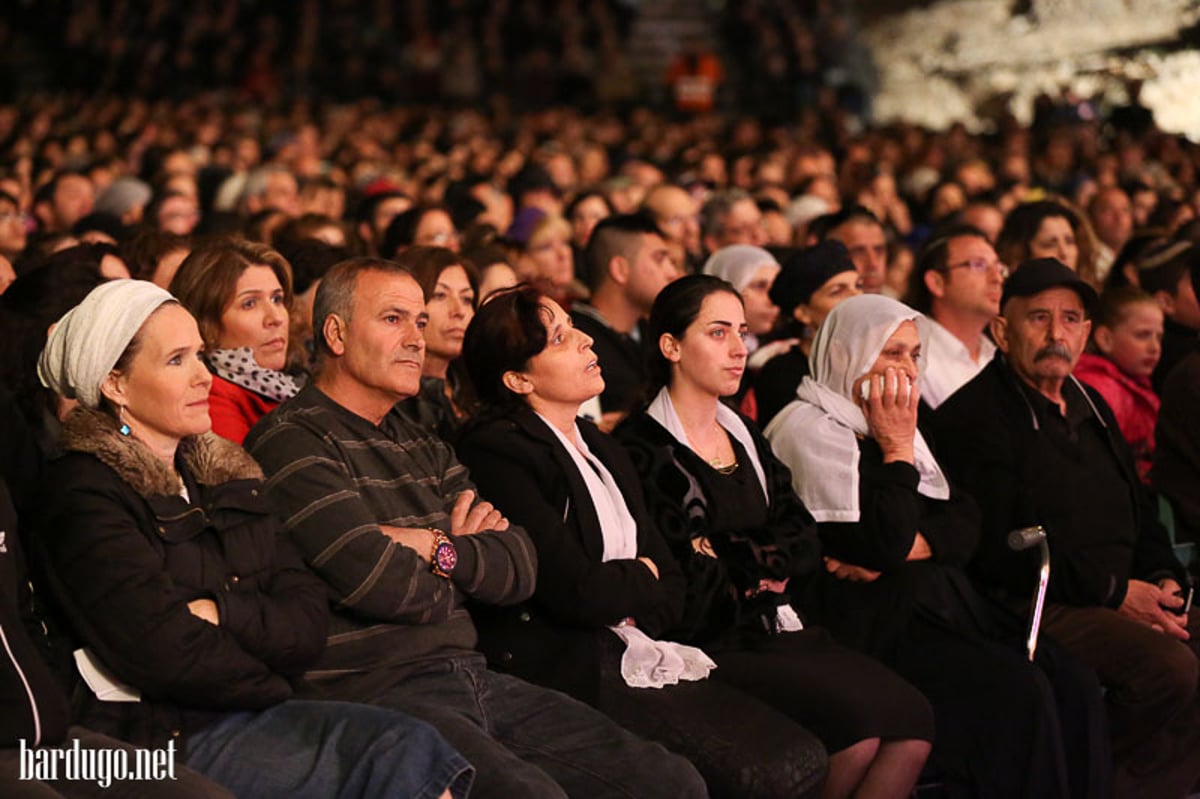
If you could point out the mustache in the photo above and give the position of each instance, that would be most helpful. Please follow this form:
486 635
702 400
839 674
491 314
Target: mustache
1055 350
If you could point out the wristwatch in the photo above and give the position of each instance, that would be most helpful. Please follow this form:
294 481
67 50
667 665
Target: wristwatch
444 556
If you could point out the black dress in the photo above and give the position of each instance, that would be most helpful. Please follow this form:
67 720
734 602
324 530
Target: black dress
745 749
839 694
1007 728
805 673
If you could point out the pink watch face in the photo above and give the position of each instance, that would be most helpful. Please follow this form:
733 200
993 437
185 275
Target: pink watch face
446 556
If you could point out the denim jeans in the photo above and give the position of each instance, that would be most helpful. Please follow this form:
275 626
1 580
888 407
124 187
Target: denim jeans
533 742
301 749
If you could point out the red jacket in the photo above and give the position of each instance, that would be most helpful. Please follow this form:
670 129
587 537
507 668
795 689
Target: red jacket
234 410
1132 400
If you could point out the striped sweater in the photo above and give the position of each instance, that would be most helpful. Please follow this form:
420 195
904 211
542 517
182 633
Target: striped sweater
334 478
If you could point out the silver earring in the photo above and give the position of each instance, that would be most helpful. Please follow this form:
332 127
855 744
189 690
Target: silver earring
124 428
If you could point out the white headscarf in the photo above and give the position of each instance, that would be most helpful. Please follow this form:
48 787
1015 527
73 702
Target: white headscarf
88 341
738 264
816 436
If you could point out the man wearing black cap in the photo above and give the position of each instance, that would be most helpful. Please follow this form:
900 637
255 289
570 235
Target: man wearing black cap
1037 447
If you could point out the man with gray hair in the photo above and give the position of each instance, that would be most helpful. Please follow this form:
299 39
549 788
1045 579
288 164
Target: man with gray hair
385 514
125 198
271 188
731 217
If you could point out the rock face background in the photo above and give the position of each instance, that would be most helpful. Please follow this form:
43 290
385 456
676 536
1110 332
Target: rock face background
944 62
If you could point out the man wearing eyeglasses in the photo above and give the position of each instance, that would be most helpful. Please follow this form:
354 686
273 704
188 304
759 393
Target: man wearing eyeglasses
731 217
958 285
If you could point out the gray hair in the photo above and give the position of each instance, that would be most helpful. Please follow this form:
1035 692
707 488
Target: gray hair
717 207
335 294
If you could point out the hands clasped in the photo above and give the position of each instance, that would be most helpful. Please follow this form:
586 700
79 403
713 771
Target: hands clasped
1157 607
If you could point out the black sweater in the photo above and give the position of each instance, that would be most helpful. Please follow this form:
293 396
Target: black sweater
125 554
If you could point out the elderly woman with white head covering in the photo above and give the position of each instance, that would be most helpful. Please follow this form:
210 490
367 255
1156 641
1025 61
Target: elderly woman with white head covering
895 534
751 270
193 620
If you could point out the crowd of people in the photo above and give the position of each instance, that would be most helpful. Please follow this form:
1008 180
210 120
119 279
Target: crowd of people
403 451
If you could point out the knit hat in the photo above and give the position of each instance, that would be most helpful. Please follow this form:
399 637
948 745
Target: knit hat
88 341
523 225
806 271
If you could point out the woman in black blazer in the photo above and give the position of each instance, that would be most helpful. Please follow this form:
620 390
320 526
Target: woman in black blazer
604 569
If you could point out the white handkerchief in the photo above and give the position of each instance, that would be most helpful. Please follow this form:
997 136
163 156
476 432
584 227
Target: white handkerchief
652 664
786 618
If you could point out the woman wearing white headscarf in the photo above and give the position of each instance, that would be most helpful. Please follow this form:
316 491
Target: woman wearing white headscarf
194 616
751 270
895 534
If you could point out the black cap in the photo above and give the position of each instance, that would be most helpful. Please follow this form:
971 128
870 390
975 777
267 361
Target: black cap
805 271
1035 276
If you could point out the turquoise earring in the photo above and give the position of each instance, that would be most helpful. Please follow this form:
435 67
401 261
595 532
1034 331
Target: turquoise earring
124 428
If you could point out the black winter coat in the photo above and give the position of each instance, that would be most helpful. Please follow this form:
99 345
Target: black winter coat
124 554
522 468
32 704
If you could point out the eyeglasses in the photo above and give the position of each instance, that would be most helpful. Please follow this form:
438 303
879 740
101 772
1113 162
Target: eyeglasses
8 216
678 220
442 238
979 265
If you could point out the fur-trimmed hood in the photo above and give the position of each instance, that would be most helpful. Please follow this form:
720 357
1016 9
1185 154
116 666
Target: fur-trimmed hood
210 459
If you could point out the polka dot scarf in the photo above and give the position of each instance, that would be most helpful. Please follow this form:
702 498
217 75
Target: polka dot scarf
239 367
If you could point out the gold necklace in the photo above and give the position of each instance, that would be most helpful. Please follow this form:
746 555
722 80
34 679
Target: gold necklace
716 462
724 469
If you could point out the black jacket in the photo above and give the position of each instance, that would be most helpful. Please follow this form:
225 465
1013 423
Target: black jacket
518 463
1176 471
33 706
124 554
989 441
787 546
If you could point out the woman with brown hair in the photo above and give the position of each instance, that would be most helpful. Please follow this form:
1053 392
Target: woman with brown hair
240 293
1049 229
450 285
546 261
